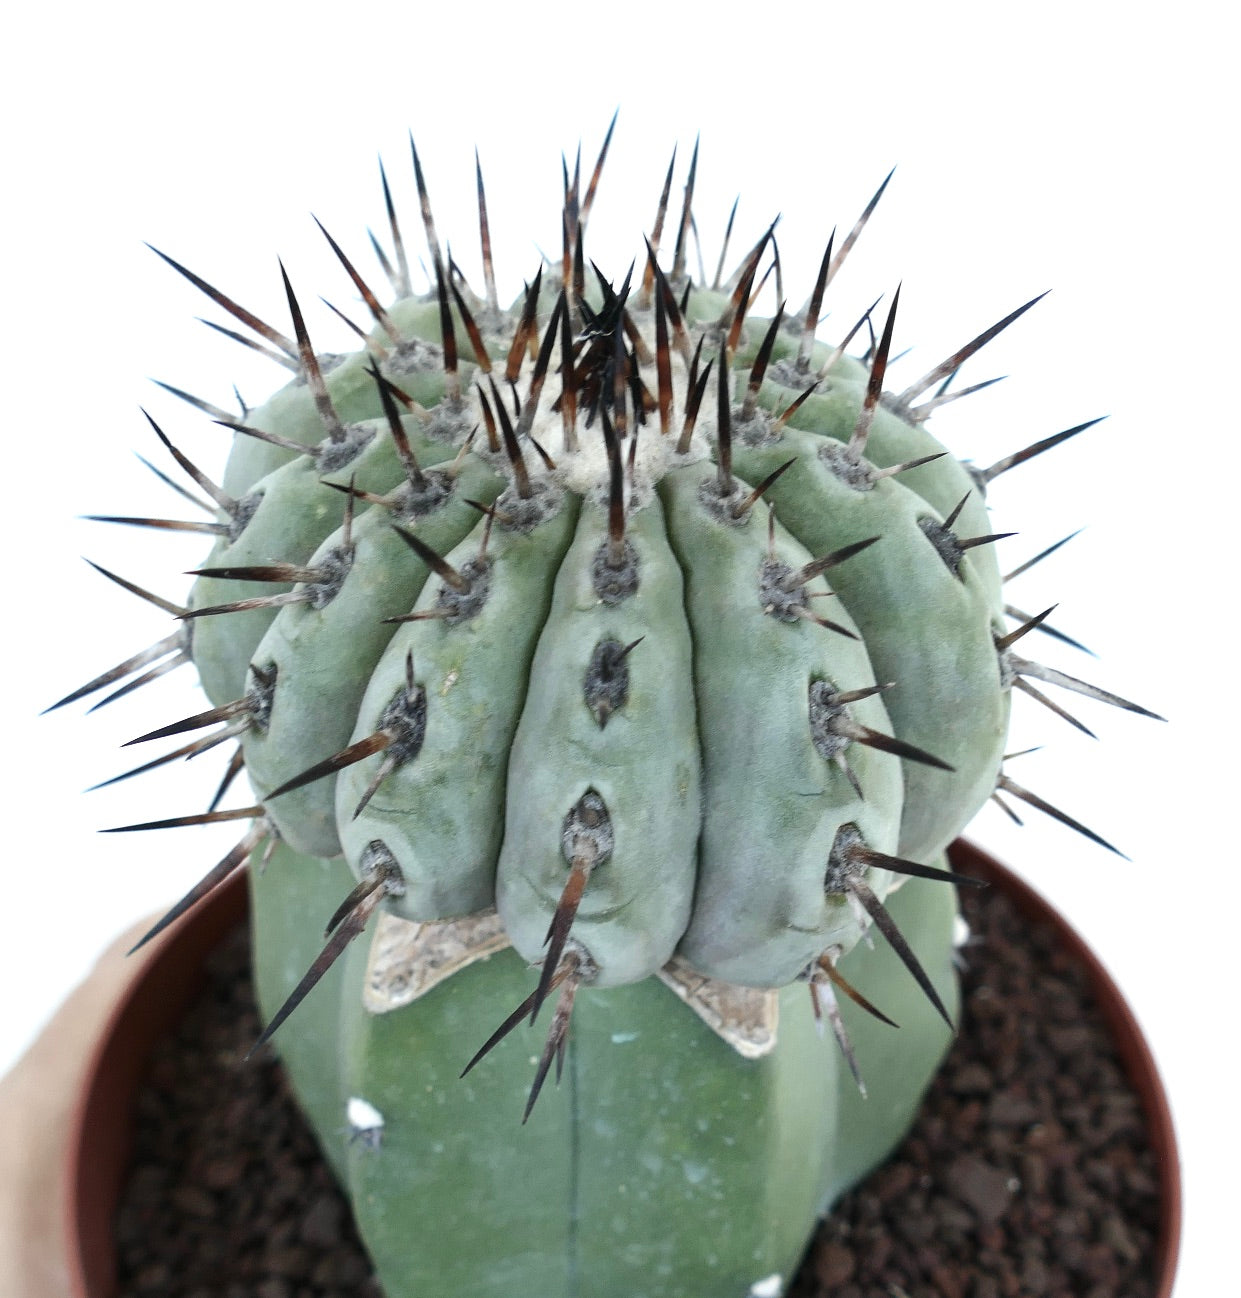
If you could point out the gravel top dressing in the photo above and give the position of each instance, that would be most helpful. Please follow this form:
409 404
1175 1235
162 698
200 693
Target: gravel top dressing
1028 1172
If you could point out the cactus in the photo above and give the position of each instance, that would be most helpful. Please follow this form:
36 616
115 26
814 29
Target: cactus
519 620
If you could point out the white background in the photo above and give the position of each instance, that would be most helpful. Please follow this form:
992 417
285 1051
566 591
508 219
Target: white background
1083 148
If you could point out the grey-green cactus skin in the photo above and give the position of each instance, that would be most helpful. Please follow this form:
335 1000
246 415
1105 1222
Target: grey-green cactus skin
954 709
650 877
325 659
620 650
630 1185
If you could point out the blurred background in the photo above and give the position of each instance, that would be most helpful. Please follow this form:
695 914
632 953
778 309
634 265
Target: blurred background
1082 149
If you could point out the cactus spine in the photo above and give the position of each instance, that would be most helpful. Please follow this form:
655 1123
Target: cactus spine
520 622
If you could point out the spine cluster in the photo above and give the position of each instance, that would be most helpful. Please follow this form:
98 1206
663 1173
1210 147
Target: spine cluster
530 609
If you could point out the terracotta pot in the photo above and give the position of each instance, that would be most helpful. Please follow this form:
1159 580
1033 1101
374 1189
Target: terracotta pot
163 982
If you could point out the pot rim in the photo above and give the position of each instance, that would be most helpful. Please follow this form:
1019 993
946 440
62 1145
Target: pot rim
168 974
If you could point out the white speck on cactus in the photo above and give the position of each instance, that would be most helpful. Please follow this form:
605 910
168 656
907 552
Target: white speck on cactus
366 1123
771 1286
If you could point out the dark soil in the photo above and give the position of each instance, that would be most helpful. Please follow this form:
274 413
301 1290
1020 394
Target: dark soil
1026 1175
1028 1172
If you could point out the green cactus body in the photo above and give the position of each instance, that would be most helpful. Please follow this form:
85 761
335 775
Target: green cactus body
945 695
441 813
773 805
291 412
943 483
662 1120
326 657
648 877
626 636
289 894
294 515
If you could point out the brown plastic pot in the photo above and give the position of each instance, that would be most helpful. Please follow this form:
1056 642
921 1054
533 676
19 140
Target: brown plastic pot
164 981
1135 1055
101 1130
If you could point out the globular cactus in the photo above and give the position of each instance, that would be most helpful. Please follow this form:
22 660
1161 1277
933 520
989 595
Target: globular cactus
520 620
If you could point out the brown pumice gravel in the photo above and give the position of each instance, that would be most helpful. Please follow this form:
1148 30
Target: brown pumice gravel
228 1196
1027 1175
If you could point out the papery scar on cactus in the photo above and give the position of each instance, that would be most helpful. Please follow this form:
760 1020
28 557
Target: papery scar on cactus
621 626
